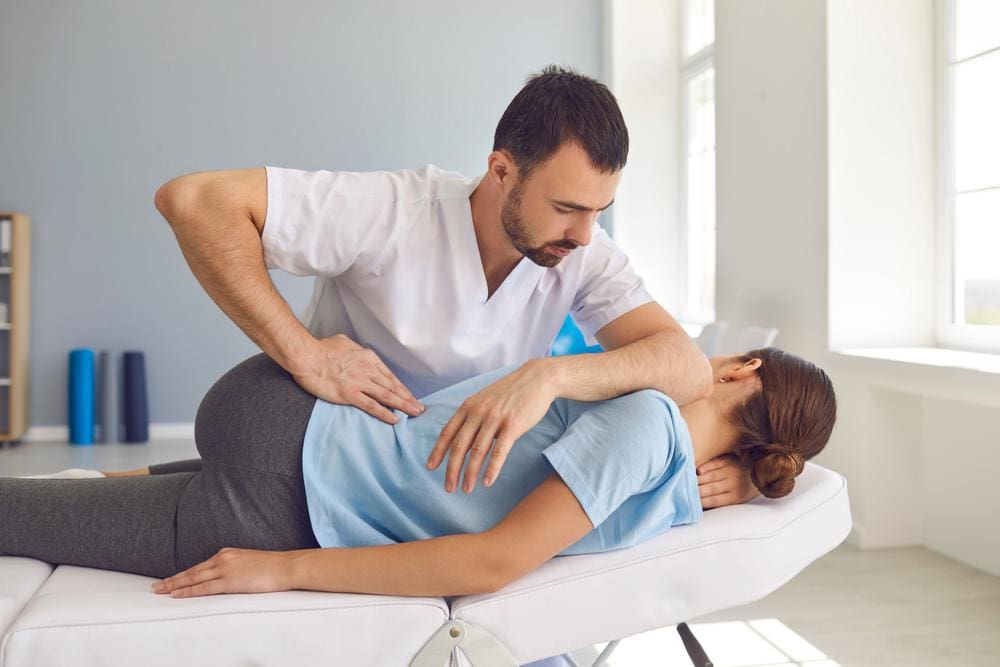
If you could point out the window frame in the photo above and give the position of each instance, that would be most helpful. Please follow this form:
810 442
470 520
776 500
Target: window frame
690 67
948 334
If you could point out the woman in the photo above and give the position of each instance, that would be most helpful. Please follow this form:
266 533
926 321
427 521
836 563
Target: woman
283 476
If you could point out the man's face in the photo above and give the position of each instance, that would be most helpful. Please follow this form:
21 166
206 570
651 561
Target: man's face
557 206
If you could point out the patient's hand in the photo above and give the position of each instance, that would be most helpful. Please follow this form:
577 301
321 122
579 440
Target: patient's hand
721 482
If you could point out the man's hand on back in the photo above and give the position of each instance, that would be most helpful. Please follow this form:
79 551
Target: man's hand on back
338 370
721 482
504 410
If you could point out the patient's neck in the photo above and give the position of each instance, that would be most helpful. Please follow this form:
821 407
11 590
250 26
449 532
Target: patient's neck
711 434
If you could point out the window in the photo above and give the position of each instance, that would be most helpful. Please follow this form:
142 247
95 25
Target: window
697 200
969 174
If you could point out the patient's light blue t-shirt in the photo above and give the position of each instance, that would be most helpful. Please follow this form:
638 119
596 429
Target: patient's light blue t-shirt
628 460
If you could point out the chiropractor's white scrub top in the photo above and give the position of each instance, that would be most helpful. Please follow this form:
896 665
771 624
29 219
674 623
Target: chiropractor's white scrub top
398 270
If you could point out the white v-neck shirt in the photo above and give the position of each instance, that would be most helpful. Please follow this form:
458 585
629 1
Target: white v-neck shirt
398 270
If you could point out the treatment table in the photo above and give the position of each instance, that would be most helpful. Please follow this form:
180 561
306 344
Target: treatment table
69 615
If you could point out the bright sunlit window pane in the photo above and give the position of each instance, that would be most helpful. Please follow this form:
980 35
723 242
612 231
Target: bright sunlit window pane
977 27
699 169
977 267
699 25
976 123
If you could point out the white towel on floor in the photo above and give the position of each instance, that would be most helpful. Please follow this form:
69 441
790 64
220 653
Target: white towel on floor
69 473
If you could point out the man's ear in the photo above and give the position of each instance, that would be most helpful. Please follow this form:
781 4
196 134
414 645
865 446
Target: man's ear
501 167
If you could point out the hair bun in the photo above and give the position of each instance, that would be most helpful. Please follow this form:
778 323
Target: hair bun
774 472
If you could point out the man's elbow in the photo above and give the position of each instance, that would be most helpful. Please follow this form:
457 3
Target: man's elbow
171 198
707 377
698 382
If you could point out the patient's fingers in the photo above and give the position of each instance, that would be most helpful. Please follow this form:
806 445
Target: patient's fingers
713 464
206 588
718 500
713 476
712 489
188 577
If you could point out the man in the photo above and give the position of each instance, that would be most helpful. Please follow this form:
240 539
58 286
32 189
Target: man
425 278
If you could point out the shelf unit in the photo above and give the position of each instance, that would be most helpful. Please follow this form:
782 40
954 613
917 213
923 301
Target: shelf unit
14 333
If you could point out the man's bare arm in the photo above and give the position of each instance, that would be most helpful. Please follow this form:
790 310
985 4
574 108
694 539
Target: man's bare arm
218 218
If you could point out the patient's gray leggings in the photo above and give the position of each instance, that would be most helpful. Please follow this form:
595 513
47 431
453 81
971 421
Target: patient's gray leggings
245 491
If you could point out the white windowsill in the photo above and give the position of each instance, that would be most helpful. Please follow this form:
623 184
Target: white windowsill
928 371
930 356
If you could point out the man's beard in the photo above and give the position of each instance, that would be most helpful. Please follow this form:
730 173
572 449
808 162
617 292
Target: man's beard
517 232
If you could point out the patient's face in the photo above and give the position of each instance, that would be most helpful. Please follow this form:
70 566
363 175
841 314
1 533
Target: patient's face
534 220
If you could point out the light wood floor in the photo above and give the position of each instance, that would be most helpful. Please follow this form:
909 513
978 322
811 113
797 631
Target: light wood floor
908 606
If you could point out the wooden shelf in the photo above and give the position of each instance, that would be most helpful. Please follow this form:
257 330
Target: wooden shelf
14 372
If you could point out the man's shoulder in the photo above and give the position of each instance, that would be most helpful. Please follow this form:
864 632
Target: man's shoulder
433 182
399 185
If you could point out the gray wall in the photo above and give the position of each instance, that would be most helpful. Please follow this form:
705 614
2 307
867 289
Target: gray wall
104 101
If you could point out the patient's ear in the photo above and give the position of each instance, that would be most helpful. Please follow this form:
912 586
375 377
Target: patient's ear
742 370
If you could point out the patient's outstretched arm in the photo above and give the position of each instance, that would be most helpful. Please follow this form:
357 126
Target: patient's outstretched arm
543 524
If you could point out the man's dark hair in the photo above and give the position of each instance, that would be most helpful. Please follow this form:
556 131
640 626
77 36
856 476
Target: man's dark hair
559 105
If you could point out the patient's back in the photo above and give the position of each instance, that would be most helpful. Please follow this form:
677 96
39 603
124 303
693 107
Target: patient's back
628 460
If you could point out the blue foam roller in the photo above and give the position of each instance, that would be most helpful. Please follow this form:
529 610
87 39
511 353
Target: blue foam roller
136 407
81 396
98 393
110 416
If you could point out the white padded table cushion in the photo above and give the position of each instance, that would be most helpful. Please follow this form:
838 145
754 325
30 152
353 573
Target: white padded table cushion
733 556
20 578
91 617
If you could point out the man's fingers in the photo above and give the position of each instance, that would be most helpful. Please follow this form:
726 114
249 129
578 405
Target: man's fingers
400 388
480 448
389 398
374 408
444 439
502 447
456 453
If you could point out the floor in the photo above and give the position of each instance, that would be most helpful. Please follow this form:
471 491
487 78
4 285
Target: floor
907 606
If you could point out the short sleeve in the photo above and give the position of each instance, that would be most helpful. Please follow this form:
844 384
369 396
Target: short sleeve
322 223
609 287
614 450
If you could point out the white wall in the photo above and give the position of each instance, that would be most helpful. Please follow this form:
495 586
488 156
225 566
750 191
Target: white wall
771 180
642 73
825 150
881 129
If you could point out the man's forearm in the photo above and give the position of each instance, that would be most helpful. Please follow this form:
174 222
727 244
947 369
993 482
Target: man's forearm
668 361
448 565
223 250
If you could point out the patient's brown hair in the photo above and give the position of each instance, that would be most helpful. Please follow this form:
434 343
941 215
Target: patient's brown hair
786 423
